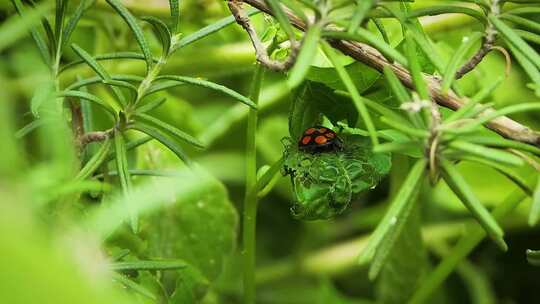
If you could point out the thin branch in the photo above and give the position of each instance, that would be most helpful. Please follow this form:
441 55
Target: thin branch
487 46
261 52
90 137
370 56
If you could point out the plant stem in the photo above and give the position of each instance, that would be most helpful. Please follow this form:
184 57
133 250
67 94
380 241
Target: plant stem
250 200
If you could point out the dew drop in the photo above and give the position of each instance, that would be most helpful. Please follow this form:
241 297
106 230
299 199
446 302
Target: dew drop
393 220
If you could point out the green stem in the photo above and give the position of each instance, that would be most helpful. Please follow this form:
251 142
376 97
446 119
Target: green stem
250 201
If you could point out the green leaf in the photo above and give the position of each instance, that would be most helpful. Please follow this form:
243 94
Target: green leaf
400 206
91 98
210 29
191 287
532 71
133 286
534 214
175 15
109 56
29 128
100 71
210 85
460 187
148 265
306 55
135 28
95 162
404 265
162 138
280 15
302 113
364 77
42 94
526 23
199 228
355 95
181 135
162 32
362 8
415 67
457 59
38 39
363 35
61 7
533 257
481 151
16 27
434 10
123 174
151 105
80 83
510 36
72 22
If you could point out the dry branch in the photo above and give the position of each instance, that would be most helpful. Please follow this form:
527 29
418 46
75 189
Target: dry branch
370 56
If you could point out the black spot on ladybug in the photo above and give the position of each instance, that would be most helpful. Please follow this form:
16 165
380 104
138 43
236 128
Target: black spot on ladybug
318 139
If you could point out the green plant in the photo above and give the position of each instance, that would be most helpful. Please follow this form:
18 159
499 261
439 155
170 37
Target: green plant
124 129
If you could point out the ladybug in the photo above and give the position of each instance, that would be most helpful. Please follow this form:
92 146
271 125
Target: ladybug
319 139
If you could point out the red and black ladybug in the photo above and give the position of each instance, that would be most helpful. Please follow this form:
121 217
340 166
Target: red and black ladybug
319 139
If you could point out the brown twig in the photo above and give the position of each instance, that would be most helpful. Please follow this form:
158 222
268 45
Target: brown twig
370 56
487 46
90 137
260 50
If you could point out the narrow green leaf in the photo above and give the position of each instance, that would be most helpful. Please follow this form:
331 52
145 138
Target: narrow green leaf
398 207
148 265
100 71
123 174
210 85
162 138
61 7
130 146
351 88
526 23
363 35
162 86
264 180
426 45
396 86
38 39
362 8
175 15
81 83
151 105
306 55
133 286
434 10
109 56
95 162
415 67
414 132
210 29
457 59
135 28
534 215
162 32
531 37
181 135
460 187
280 15
91 98
29 128
501 143
471 104
50 36
493 154
72 22
514 39
530 69
533 257
523 107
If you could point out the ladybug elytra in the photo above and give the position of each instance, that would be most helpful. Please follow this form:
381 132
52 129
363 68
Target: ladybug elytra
319 139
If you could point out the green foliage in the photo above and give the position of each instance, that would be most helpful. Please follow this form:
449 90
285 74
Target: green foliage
324 184
124 165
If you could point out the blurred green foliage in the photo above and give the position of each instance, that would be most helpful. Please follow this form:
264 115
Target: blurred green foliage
63 240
